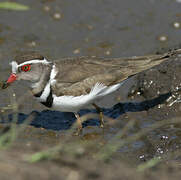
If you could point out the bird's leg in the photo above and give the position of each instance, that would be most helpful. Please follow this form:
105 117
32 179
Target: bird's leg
79 124
99 110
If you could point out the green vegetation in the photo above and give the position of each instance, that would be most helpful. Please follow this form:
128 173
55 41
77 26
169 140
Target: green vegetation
149 164
73 147
13 6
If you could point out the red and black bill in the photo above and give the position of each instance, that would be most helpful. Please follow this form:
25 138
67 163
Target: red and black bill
11 79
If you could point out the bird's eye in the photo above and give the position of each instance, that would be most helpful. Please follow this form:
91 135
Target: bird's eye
26 67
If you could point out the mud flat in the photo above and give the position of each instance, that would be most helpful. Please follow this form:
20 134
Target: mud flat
142 134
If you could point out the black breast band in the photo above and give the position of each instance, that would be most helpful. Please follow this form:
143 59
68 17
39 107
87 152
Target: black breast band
49 100
38 94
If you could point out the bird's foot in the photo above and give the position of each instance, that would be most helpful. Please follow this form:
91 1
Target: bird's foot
101 115
101 119
78 132
101 125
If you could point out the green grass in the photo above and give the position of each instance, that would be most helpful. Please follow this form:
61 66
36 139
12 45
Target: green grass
149 164
74 146
13 6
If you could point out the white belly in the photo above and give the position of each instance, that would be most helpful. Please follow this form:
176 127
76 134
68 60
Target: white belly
74 104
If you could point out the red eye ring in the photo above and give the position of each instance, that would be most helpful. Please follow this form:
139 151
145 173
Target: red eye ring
26 67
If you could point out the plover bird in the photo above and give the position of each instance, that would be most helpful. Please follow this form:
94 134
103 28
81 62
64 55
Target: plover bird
71 84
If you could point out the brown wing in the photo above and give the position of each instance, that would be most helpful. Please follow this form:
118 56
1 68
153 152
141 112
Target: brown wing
77 75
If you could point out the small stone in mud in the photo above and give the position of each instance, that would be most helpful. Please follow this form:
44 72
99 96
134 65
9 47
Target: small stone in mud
176 25
32 44
164 137
57 16
108 52
46 8
162 38
142 157
89 27
76 51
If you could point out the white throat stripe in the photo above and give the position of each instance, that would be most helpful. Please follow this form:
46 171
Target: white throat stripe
47 88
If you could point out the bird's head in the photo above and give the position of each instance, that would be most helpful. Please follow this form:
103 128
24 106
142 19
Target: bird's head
27 66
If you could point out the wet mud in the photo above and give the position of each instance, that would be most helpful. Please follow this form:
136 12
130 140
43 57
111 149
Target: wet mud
108 29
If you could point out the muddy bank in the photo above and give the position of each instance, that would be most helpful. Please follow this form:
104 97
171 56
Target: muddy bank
153 97
108 29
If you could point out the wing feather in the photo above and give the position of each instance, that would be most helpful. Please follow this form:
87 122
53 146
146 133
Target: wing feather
77 76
